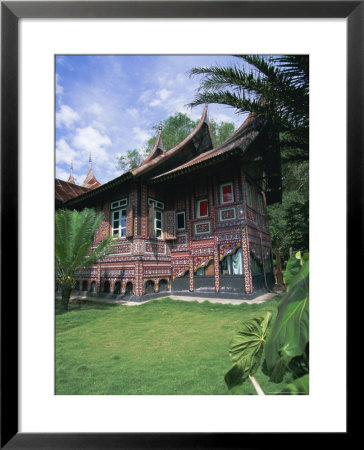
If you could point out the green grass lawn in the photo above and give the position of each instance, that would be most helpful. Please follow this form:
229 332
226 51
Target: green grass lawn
160 347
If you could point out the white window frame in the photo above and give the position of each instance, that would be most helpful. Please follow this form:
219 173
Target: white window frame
198 208
157 203
119 203
120 228
158 211
184 220
221 194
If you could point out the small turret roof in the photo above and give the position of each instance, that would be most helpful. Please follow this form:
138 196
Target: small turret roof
70 178
90 181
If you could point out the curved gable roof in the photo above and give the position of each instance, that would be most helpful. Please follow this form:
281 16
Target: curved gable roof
197 136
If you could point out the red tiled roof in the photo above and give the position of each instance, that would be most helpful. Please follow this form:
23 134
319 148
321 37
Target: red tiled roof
65 191
90 181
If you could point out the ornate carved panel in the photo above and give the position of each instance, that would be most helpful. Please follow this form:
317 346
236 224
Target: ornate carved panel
202 227
170 224
155 248
227 214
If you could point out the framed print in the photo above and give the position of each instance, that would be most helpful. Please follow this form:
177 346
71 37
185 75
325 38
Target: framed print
31 415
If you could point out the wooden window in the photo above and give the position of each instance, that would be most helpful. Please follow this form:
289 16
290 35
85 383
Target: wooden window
181 220
158 223
119 222
157 203
202 208
226 193
261 203
248 192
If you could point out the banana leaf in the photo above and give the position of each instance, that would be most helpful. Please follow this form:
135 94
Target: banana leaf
246 349
290 333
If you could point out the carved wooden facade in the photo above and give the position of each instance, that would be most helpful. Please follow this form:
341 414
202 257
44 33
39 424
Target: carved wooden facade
191 219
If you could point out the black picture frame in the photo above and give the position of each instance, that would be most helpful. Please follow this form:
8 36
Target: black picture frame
11 12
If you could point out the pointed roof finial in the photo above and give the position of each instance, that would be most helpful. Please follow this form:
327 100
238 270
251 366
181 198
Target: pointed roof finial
160 126
70 178
90 181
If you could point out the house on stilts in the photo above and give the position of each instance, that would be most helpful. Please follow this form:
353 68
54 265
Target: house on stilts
190 220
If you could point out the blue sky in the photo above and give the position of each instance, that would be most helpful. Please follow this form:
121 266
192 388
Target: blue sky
108 104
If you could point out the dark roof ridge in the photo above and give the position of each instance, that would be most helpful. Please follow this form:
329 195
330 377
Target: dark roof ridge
240 135
174 149
157 146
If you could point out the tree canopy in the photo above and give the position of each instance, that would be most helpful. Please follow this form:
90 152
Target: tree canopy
175 128
276 87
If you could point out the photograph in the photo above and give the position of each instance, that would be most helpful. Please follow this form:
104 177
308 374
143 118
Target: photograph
181 196
181 224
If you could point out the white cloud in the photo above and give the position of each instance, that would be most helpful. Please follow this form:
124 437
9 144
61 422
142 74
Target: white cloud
155 102
133 112
141 135
96 109
59 87
64 153
145 96
161 97
66 117
62 174
90 140
164 94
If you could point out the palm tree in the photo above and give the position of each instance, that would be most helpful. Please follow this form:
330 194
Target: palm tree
75 232
276 87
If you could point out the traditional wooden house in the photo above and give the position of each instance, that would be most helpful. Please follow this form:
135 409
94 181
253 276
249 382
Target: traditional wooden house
190 220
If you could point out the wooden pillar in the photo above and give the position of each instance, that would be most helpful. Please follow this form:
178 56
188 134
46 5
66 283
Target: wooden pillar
192 287
216 265
138 285
98 282
248 285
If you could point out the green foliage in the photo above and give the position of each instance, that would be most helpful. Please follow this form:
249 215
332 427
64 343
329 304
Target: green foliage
287 346
286 349
175 129
132 159
276 87
161 347
74 235
289 220
299 386
246 349
294 265
221 131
